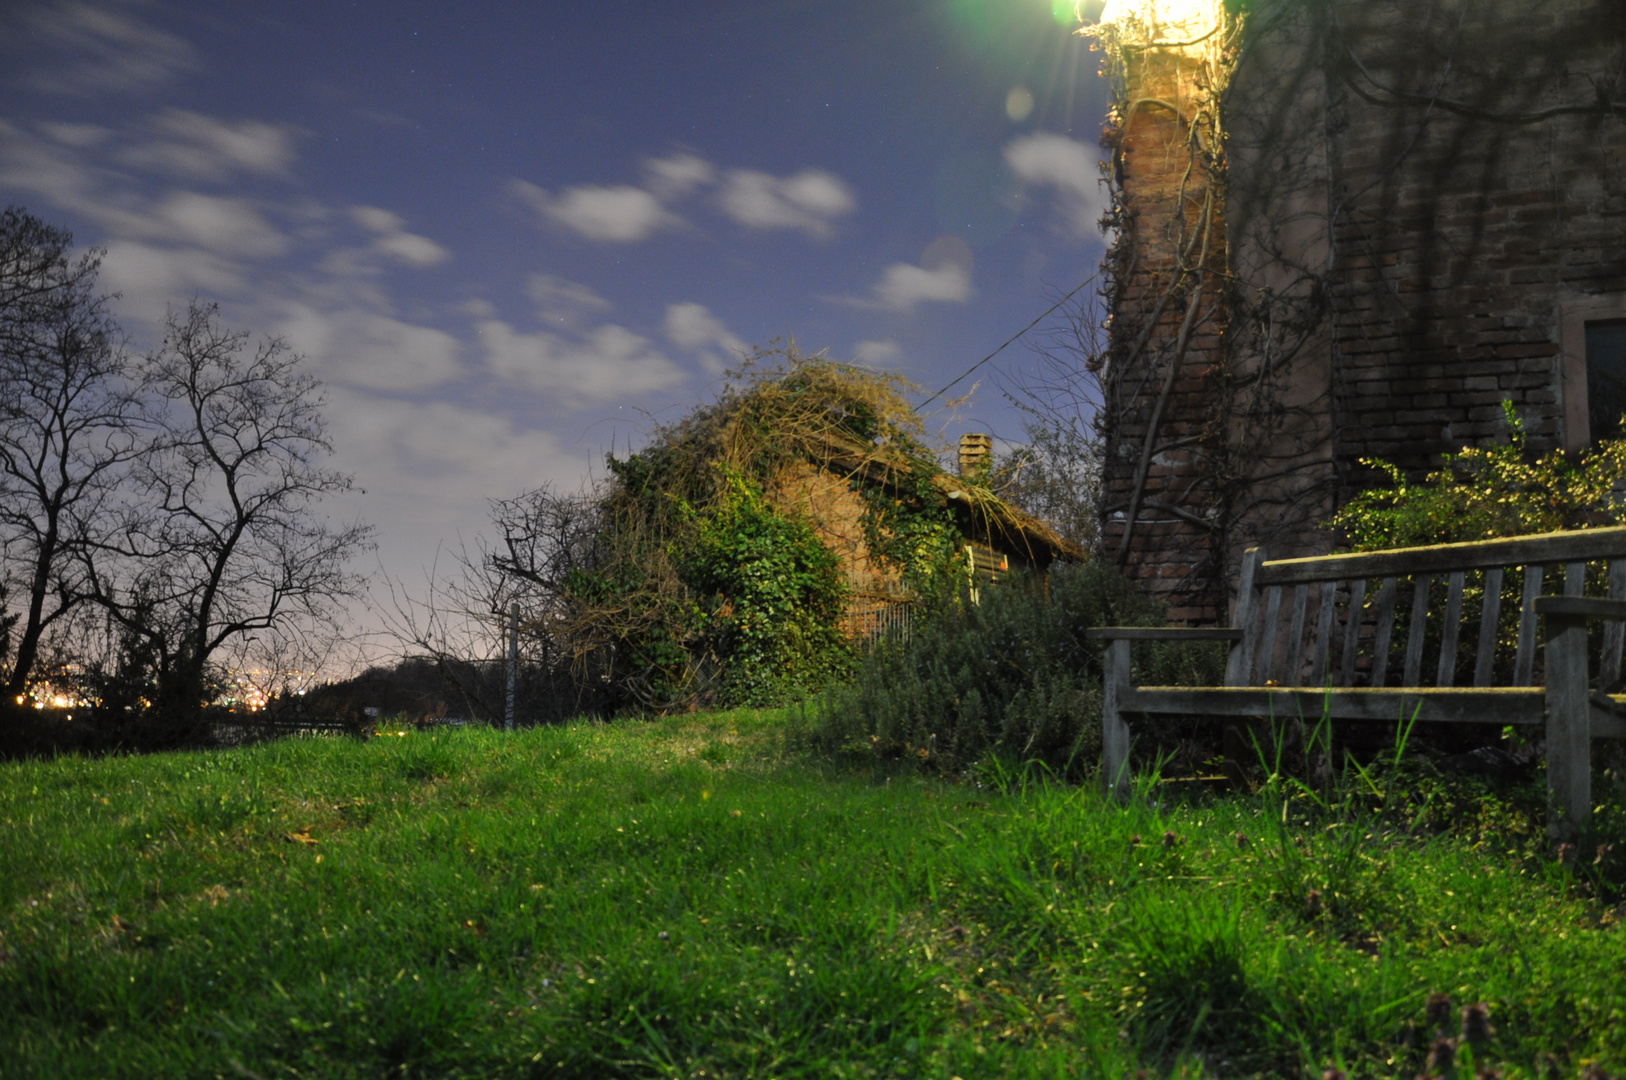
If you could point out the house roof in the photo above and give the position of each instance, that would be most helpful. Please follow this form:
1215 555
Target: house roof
984 516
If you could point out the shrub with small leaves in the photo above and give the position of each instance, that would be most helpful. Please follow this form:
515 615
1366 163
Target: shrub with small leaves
1011 676
1489 491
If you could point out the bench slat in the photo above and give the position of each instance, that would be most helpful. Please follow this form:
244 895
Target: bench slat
1386 626
1500 706
1614 633
1323 632
1447 672
1524 660
1510 705
1352 631
1269 632
1488 618
1295 635
1592 607
1239 665
1583 545
1417 630
1575 579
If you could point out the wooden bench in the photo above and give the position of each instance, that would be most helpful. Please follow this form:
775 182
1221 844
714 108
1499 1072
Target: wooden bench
1310 639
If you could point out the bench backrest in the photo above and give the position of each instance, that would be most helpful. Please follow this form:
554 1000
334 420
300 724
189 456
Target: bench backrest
1329 593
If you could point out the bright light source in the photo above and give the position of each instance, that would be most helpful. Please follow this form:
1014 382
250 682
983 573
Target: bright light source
1166 18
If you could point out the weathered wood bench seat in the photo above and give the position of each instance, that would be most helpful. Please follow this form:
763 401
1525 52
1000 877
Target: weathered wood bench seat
1313 638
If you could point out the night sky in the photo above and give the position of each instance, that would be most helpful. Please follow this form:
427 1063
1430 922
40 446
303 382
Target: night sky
509 236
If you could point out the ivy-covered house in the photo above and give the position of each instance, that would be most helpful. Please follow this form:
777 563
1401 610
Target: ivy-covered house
991 537
743 553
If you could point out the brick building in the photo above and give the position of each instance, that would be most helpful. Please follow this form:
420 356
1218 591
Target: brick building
1349 229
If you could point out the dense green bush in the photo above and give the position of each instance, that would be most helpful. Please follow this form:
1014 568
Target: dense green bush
769 598
1482 492
1011 677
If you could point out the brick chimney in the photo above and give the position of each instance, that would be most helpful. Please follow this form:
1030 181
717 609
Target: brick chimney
976 454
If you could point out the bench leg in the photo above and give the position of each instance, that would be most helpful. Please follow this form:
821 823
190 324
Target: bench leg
1114 729
1569 727
1239 752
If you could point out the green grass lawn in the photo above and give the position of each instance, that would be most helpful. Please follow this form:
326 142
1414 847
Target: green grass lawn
696 897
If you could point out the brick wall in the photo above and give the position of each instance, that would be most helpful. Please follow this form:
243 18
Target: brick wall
1165 192
1403 238
1459 236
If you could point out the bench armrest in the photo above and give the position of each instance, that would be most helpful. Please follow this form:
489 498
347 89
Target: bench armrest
1164 633
1586 607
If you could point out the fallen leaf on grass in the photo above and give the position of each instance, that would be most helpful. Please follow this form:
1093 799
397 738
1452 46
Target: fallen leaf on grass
301 836
215 894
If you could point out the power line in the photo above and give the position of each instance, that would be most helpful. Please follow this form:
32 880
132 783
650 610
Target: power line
1008 342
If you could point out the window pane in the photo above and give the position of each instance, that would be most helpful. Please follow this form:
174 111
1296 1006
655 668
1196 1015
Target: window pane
1605 376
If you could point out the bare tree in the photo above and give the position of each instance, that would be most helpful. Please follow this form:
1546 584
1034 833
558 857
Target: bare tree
69 429
461 619
1056 476
224 541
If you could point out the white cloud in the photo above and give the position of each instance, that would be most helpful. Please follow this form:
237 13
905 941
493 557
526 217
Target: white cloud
429 467
877 354
678 175
903 285
58 173
610 362
1071 167
811 200
377 219
616 215
151 279
693 326
369 350
206 148
109 49
394 241
561 302
414 250
47 169
78 136
227 226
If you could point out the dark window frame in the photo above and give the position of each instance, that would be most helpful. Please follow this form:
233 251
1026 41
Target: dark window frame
1574 316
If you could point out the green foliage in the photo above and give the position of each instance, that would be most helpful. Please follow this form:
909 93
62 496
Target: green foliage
1483 492
908 524
1010 677
770 597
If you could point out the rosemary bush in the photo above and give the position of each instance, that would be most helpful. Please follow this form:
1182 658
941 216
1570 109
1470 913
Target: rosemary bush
1011 677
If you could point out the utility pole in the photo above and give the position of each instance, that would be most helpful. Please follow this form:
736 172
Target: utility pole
513 665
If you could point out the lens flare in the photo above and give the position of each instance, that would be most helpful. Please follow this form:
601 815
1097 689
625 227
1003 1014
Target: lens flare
1019 103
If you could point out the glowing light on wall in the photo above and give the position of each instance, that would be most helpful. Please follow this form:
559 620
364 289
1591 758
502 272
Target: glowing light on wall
1166 18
